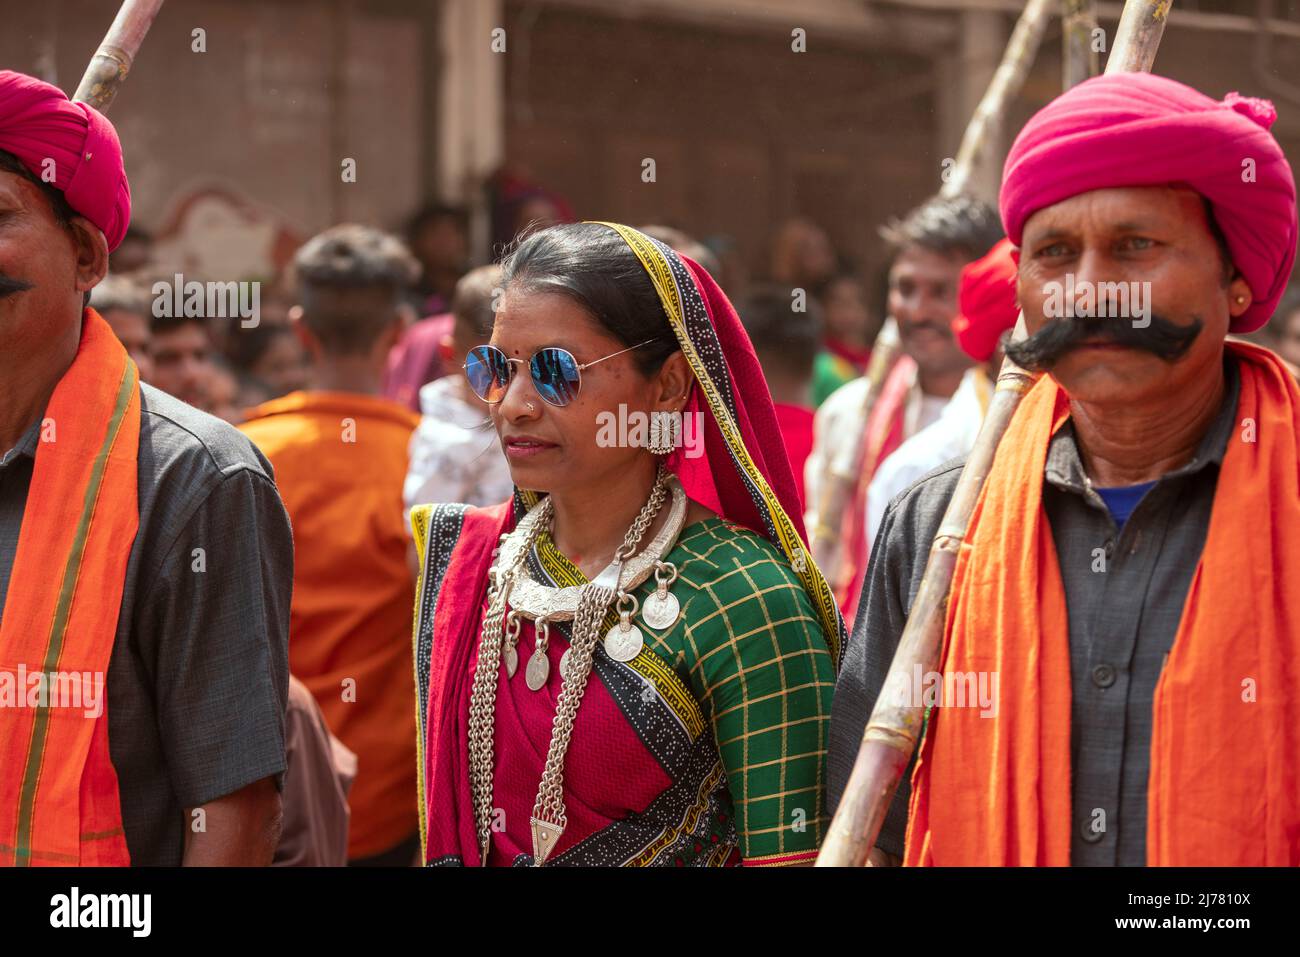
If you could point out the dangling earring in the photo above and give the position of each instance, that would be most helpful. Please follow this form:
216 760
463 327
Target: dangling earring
663 432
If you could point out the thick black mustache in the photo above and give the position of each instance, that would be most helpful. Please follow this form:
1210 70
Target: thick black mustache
10 286
1162 338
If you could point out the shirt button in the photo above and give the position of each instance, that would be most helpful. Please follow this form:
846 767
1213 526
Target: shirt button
1109 547
1103 676
1091 833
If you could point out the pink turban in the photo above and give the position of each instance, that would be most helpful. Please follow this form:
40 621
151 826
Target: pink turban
1136 129
38 123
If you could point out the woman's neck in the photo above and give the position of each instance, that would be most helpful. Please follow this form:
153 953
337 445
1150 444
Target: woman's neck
591 521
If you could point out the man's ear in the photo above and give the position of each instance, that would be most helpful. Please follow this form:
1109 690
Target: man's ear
92 254
1239 296
304 334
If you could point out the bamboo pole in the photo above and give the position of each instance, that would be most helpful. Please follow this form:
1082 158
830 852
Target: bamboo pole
1079 59
1006 83
894 728
1141 26
112 61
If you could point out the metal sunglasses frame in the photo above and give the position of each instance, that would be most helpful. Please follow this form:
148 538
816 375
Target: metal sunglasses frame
580 366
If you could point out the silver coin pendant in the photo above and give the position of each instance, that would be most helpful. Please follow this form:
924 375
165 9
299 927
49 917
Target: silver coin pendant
623 642
661 613
512 660
538 670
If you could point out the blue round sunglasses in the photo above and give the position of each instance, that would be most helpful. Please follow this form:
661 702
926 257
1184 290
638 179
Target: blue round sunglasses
556 374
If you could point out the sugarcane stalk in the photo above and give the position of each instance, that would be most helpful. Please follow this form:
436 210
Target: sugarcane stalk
894 728
1079 59
1006 83
112 61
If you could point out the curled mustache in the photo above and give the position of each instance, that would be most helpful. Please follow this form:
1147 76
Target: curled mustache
1162 338
10 286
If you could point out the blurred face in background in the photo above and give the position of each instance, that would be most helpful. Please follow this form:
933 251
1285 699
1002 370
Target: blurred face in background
283 365
132 330
441 246
845 312
923 287
182 363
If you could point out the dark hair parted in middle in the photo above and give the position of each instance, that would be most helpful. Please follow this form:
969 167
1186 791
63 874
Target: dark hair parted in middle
593 266
947 225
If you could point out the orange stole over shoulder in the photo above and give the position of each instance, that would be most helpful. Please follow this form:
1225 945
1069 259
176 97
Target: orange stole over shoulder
58 790
1224 784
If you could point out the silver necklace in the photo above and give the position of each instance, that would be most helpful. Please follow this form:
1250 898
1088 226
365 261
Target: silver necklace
589 603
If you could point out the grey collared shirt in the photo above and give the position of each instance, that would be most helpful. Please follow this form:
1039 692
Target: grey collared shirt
1124 593
198 679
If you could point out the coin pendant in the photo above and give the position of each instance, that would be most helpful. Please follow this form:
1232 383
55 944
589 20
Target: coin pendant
538 670
512 660
660 614
564 663
623 644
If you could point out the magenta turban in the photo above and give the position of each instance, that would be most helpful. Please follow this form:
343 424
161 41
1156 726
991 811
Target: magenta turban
1135 129
38 122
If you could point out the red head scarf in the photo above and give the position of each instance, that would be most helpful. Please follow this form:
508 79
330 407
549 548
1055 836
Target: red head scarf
73 142
1136 129
988 302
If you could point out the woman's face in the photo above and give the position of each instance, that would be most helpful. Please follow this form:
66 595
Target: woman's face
555 449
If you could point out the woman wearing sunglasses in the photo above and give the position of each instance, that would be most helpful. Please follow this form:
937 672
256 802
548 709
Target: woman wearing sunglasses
631 662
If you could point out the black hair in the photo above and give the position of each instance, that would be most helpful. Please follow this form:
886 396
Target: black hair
474 300
246 347
431 213
593 266
333 268
161 325
950 225
785 340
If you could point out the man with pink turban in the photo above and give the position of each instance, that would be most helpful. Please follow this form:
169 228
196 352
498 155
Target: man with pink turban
1127 591
145 558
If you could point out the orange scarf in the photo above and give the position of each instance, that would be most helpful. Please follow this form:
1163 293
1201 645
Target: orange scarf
58 790
1224 785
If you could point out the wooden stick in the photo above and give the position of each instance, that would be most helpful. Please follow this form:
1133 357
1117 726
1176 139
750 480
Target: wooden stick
1079 60
894 728
112 61
1006 83
1141 26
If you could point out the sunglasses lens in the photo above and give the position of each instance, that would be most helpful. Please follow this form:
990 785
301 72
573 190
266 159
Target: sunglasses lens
556 375
488 373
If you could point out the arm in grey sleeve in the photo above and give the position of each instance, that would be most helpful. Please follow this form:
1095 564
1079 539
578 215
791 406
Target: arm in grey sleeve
216 622
893 578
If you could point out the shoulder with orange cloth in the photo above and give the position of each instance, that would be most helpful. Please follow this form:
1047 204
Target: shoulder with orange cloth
143 550
1114 682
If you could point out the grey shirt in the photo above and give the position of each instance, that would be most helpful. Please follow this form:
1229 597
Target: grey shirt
1123 615
198 679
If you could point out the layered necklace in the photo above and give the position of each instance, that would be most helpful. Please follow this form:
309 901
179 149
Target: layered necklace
510 586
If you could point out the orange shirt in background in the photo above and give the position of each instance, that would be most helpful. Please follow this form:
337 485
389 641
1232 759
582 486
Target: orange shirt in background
339 460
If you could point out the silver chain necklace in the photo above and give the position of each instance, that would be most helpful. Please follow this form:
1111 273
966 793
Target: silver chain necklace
594 598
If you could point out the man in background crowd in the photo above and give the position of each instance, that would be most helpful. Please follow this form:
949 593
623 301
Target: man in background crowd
455 454
340 454
928 249
125 307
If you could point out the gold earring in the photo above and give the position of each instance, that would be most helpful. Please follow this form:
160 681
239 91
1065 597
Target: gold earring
1240 300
